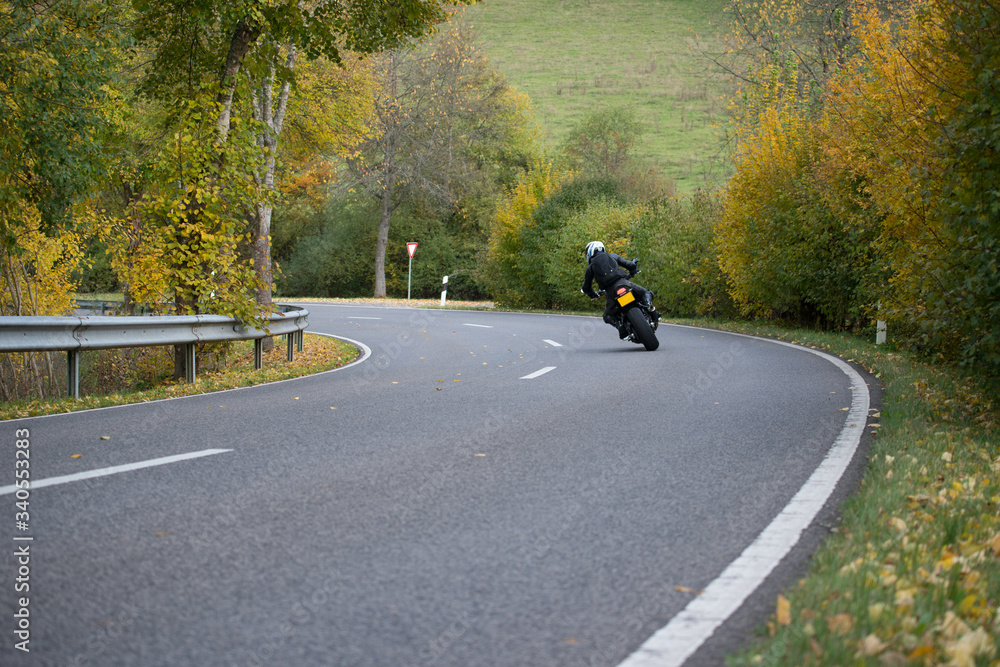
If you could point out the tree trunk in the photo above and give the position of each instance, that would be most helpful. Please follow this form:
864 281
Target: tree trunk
382 241
244 37
262 263
273 116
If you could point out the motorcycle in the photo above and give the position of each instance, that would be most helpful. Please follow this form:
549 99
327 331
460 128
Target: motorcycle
632 317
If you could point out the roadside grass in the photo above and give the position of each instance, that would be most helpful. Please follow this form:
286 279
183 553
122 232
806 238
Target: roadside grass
319 353
911 576
576 55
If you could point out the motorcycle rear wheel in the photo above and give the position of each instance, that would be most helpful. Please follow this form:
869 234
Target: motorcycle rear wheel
644 332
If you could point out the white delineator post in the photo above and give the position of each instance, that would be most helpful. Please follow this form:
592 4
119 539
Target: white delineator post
880 329
444 289
411 248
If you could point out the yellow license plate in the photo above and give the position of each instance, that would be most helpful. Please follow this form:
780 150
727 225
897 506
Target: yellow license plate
626 299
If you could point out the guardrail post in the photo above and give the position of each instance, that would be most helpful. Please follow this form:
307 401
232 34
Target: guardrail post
291 346
190 359
73 373
299 339
258 353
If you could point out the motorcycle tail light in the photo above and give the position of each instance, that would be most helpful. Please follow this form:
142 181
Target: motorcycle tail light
621 290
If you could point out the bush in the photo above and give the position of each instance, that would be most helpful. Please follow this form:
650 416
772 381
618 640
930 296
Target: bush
673 238
794 245
335 254
509 271
565 264
331 258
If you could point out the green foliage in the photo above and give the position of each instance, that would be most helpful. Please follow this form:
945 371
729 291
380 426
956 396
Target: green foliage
600 146
191 41
329 257
673 237
529 258
443 121
603 219
785 244
193 216
963 304
544 238
536 249
57 65
507 271
95 273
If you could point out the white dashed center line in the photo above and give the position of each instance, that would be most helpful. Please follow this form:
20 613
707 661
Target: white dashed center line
541 371
552 342
103 472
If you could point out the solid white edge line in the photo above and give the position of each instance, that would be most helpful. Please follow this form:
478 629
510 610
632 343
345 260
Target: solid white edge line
687 631
114 470
551 342
541 371
358 317
365 353
481 326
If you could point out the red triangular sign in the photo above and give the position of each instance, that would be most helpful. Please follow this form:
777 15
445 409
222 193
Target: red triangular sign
411 248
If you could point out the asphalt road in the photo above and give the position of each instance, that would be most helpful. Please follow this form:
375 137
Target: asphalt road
440 502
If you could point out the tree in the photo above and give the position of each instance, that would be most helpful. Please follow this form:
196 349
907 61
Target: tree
806 41
229 56
58 68
209 46
326 116
508 268
601 144
433 104
915 117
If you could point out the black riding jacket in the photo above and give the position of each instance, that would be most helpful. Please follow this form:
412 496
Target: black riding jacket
607 269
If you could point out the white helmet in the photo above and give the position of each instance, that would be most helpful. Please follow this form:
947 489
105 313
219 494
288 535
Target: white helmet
593 248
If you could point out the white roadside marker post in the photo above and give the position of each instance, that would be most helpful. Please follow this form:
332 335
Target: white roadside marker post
444 289
880 329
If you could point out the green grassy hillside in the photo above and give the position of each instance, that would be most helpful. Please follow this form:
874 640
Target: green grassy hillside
572 55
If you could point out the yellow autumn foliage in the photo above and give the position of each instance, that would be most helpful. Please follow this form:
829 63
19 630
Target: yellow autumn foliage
36 278
511 269
793 240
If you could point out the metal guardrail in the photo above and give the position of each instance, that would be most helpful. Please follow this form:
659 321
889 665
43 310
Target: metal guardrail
100 332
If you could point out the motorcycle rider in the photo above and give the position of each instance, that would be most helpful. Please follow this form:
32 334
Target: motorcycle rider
610 270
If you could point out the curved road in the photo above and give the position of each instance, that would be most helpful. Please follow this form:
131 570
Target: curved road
444 501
